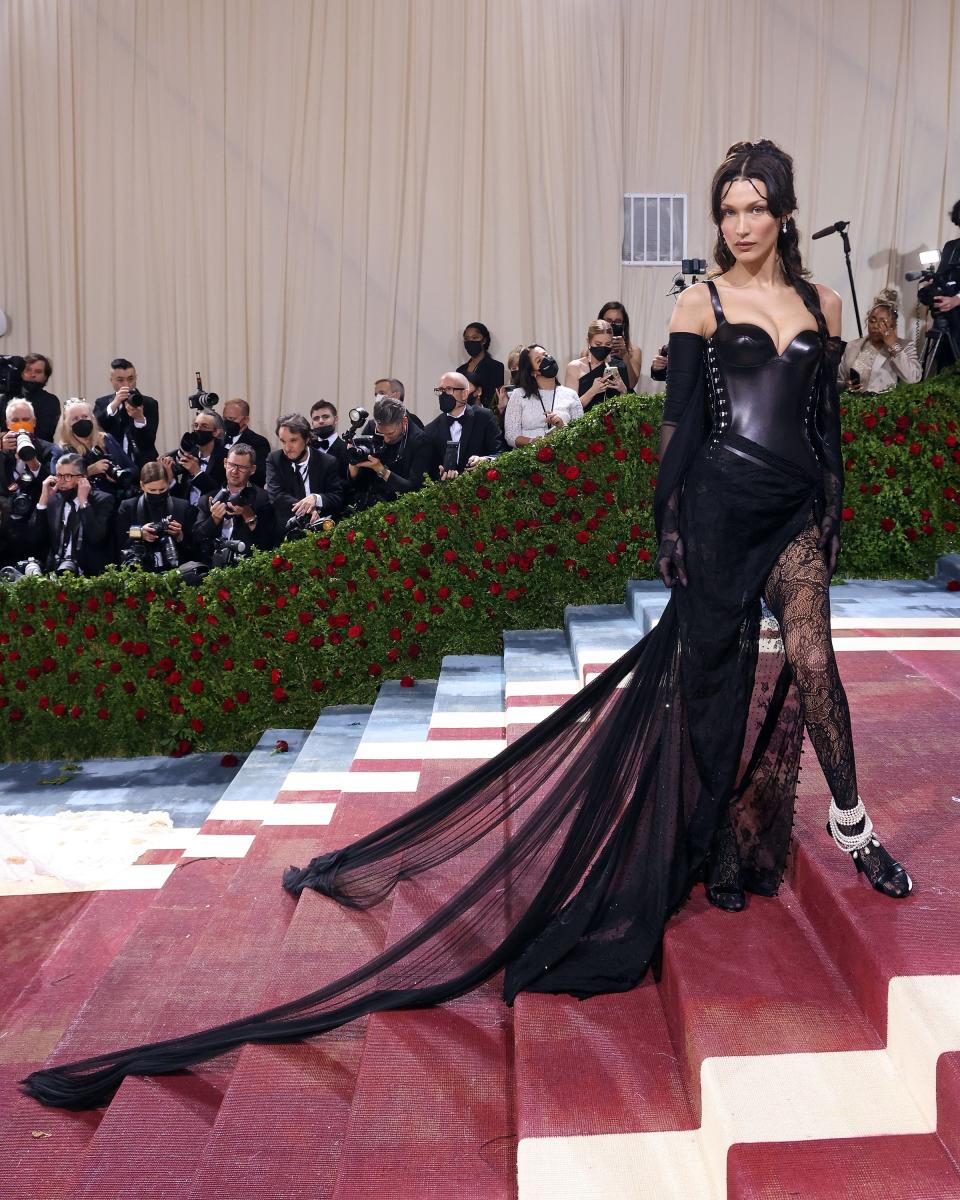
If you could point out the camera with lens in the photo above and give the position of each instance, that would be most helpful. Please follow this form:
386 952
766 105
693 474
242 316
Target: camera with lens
936 284
243 499
189 445
227 552
26 566
22 505
362 446
311 522
11 385
200 400
124 479
26 449
67 566
164 544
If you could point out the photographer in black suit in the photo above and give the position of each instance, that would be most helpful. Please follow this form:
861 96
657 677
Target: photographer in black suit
72 520
240 512
402 460
34 377
127 415
199 471
943 296
323 420
301 478
462 435
236 419
144 511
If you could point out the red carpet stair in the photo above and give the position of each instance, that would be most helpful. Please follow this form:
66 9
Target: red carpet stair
788 1050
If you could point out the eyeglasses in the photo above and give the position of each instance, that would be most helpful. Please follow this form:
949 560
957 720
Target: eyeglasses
442 390
239 466
60 476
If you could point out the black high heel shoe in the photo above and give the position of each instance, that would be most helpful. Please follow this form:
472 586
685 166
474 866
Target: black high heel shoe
723 885
882 870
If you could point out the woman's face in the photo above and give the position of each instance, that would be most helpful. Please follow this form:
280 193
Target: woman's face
472 334
600 339
614 313
748 226
537 355
879 320
156 487
79 412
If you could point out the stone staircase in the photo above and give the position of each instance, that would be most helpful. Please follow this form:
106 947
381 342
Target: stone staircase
810 1043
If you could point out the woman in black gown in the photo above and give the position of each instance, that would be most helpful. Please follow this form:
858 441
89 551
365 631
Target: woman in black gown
559 861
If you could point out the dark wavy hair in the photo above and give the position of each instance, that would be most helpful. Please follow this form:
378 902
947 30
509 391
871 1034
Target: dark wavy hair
955 213
765 162
626 317
526 375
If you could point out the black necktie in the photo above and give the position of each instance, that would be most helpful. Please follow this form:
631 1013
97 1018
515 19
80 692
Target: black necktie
66 529
298 484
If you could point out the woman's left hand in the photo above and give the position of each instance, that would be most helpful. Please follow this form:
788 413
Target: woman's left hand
829 545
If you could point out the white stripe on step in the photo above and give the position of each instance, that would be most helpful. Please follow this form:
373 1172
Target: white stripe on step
351 781
766 1098
371 751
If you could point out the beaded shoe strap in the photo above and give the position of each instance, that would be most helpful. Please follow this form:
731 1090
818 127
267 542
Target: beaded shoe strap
848 817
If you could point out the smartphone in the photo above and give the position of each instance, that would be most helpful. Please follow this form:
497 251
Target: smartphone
451 456
610 370
616 328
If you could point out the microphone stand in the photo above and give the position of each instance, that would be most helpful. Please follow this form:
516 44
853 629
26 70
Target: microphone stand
853 286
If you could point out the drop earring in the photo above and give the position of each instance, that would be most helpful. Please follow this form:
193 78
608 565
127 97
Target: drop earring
783 227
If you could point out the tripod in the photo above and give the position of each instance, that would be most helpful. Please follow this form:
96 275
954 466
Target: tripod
939 330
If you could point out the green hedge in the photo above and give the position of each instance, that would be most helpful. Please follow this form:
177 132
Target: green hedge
131 664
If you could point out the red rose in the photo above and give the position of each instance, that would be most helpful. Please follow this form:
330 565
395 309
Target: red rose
259 663
75 711
869 421
887 524
937 461
242 696
915 448
406 681
953 585
548 498
103 714
848 436
847 514
911 534
374 669
466 602
279 695
290 636
545 454
195 687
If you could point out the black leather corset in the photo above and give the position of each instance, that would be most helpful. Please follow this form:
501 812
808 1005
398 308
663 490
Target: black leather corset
760 395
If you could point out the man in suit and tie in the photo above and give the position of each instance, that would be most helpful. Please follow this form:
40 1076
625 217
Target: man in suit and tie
403 460
463 434
323 419
236 418
240 512
73 521
128 415
301 479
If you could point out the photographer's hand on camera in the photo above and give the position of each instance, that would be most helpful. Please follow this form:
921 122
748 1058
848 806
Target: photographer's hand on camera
190 463
371 463
945 304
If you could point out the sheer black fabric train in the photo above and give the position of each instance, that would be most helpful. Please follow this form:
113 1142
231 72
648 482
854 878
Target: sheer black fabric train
559 861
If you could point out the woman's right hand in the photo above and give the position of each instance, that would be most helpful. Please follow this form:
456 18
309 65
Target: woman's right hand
100 467
671 566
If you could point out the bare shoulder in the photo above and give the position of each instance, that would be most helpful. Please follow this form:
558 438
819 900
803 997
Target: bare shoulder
693 312
831 306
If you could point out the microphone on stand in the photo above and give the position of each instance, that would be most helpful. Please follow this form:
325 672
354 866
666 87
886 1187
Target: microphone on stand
836 227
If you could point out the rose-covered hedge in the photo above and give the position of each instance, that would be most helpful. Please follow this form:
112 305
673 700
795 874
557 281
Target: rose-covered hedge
129 663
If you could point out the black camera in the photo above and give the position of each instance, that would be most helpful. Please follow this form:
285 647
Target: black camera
124 479
135 399
201 400
21 505
243 499
361 447
11 385
311 522
228 552
164 544
67 566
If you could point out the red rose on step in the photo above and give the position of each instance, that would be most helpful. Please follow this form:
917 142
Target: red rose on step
847 514
953 585
887 524
374 669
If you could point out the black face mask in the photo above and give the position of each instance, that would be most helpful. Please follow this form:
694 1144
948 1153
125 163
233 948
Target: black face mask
32 386
157 504
83 428
448 403
600 352
324 431
232 427
67 493
203 437
472 347
549 367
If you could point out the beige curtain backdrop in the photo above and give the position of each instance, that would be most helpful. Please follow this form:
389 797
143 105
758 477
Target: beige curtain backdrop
298 196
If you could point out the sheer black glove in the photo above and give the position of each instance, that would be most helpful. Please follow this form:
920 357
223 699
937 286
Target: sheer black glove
671 566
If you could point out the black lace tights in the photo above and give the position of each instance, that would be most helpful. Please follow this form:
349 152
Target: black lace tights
797 594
